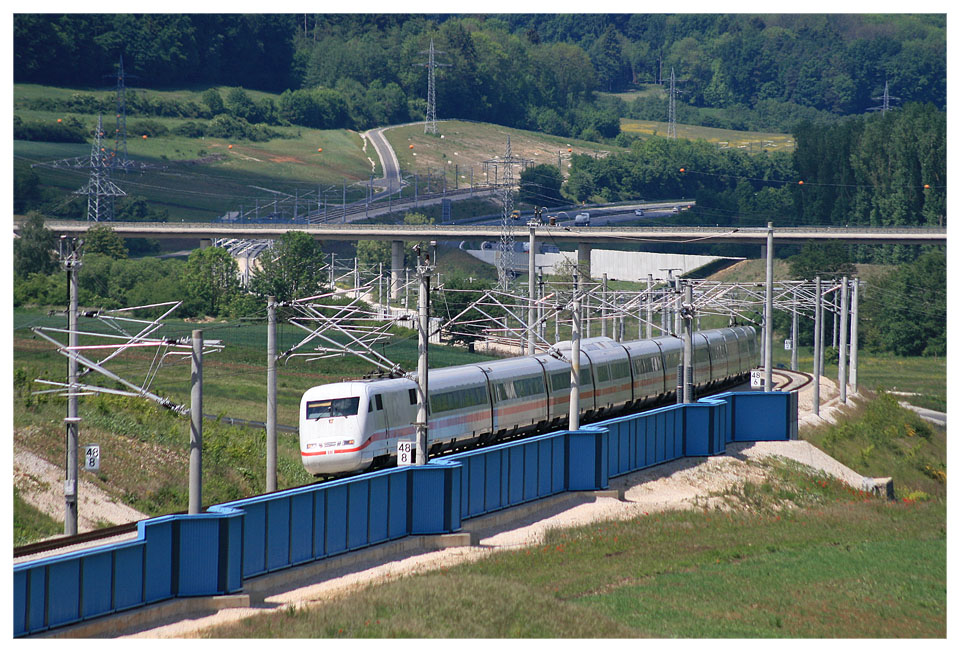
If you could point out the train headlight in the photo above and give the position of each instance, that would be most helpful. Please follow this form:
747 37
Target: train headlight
347 442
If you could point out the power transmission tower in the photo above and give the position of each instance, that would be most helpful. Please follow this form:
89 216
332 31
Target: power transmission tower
100 190
119 160
672 112
883 108
505 185
430 123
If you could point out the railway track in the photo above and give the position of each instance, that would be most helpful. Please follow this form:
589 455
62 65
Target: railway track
792 381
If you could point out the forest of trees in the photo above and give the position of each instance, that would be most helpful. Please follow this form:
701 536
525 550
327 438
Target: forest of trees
534 71
813 76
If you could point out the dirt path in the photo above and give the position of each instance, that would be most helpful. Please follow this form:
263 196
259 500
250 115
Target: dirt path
40 484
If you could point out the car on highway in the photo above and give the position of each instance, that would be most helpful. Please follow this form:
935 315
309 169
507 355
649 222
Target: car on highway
675 210
582 219
638 212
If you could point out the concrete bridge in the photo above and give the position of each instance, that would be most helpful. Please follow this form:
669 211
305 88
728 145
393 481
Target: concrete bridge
607 235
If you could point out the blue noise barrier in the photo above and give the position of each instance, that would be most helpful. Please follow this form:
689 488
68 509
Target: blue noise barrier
214 552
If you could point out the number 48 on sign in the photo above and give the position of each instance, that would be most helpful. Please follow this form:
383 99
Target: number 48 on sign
91 458
404 453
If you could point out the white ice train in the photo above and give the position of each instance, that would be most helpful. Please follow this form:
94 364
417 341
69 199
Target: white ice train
348 427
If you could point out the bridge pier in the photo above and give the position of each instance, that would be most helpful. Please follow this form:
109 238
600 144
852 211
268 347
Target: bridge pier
396 266
583 259
206 242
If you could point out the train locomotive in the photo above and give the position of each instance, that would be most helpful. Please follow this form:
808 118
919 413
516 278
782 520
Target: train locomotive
350 427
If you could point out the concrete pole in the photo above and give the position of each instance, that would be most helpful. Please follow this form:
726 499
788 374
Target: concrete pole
333 276
344 200
556 327
585 317
406 289
768 316
542 324
70 486
603 306
823 333
396 264
356 277
677 319
380 296
196 423
423 305
663 311
836 311
649 306
271 484
842 354
793 335
817 353
688 344
531 291
574 420
854 327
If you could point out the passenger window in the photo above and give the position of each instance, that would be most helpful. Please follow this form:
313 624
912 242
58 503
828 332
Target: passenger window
379 401
413 397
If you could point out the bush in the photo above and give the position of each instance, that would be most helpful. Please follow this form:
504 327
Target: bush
68 131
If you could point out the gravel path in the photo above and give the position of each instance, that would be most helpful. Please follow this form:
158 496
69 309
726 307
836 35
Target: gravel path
40 483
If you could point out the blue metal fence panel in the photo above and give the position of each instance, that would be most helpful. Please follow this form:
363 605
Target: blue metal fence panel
336 521
398 511
63 579
278 533
531 471
358 513
379 519
128 576
20 602
301 527
514 475
492 499
429 508
198 555
254 538
158 566
96 586
38 599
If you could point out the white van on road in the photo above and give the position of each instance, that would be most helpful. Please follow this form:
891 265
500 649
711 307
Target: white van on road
582 219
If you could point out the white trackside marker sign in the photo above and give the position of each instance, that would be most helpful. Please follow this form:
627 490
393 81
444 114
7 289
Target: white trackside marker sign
404 453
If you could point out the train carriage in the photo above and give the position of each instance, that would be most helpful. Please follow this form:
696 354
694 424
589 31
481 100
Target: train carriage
349 427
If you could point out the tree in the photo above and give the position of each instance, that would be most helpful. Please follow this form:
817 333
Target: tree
905 312
291 269
826 260
580 184
101 239
540 185
33 250
211 97
210 281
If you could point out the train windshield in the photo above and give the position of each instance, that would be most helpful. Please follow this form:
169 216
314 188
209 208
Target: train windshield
333 407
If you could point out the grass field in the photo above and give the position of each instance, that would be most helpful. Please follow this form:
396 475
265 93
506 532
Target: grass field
144 448
463 147
750 141
837 564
